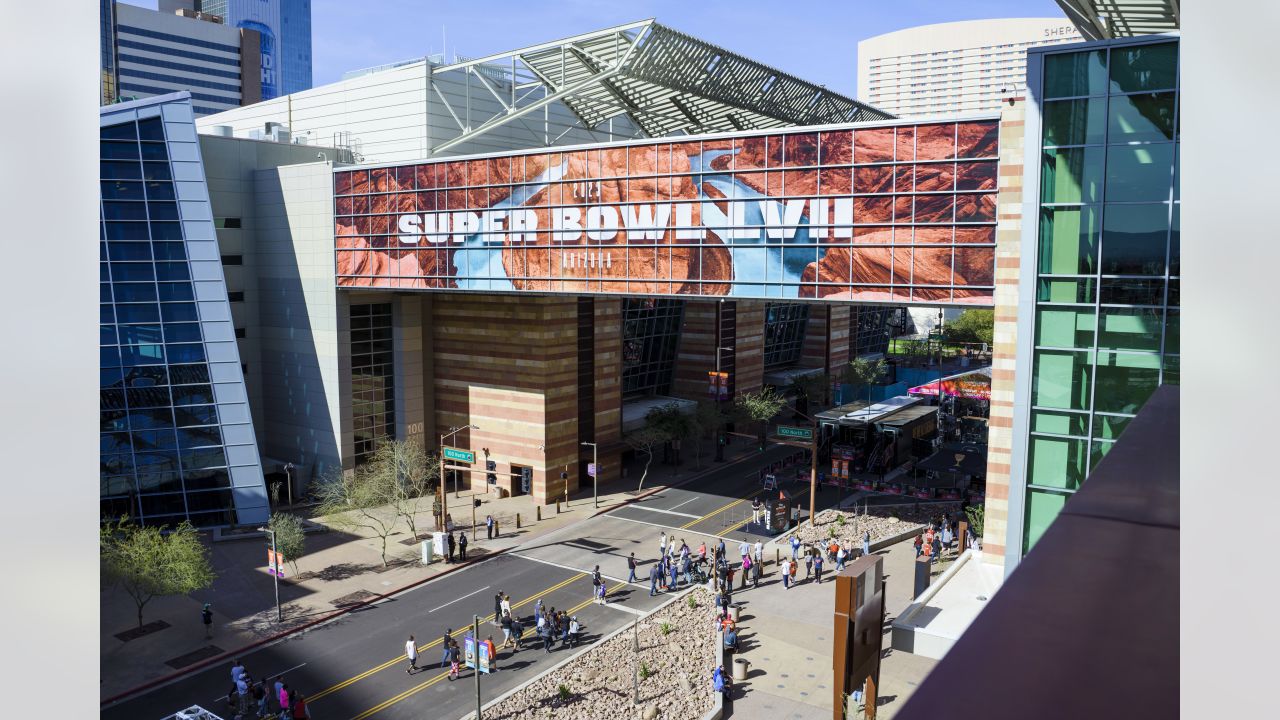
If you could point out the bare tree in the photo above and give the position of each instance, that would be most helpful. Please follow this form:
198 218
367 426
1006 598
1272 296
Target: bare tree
411 474
291 540
645 440
361 500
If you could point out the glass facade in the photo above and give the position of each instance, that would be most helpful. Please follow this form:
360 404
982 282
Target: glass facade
784 327
650 337
176 438
373 400
1106 318
872 329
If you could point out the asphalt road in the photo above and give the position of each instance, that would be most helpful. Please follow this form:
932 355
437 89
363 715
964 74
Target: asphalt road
354 667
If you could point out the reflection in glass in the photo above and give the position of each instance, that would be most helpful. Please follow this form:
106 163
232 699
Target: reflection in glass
1071 175
1135 239
1075 74
1139 173
1064 327
1075 122
1141 118
1056 462
1130 329
1069 240
1144 67
1060 379
1125 381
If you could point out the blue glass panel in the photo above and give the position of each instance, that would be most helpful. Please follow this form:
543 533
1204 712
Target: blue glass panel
199 437
148 440
169 250
204 458
124 210
119 190
111 399
135 292
213 500
104 292
156 171
152 419
179 312
166 231
132 272
118 170
117 464
147 313
106 334
114 420
193 352
126 230
114 442
161 506
110 377
196 415
151 129
129 251
159 190
182 332
118 150
192 394
148 397
123 131
170 292
162 210
188 374
110 357
154 151
142 355
104 272
106 314
205 479
146 376
139 334
172 271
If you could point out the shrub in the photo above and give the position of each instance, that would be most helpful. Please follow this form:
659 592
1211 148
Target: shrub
645 672
693 602
840 520
564 692
831 532
665 628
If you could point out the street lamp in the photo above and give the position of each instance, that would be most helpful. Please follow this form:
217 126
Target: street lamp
440 493
275 577
288 481
595 472
719 420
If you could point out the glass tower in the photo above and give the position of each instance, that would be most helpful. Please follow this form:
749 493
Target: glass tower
285 29
1099 317
177 440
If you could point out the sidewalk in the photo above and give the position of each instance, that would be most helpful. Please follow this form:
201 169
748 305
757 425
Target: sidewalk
339 570
788 636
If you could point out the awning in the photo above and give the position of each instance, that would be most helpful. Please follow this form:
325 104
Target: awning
957 459
974 384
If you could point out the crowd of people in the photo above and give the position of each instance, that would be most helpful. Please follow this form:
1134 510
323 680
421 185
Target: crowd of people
264 699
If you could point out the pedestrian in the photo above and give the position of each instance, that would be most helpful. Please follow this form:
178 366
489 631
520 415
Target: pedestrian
832 549
601 592
937 547
506 604
574 629
919 543
451 546
653 580
720 548
728 575
299 708
275 691
260 697
755 573
702 551
455 659
237 669
675 575
662 544
497 607
946 537
545 633
462 546
564 629
756 508
488 527
795 547
206 616
493 654
411 652
631 568
808 563
242 694
506 629
866 543
444 644
841 556
517 633
743 550
759 552
746 570
795 566
537 610
595 581
786 574
283 696
817 568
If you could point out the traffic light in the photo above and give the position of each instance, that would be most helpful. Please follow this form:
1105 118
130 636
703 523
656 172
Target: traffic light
491 466
564 475
476 502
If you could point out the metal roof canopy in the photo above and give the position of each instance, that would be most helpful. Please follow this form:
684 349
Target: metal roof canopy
1110 19
664 81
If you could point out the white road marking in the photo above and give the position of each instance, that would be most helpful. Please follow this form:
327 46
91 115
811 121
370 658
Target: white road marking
669 529
464 597
658 510
265 678
686 502
572 569
624 608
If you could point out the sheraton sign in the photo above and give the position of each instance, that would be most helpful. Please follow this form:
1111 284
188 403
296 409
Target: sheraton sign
897 213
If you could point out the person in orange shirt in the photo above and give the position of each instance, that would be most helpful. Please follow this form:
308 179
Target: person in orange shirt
493 654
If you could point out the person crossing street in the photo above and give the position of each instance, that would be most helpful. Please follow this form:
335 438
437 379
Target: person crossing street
411 652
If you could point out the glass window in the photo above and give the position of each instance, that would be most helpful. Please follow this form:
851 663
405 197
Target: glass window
1042 509
162 210
1061 380
123 131
1125 381
151 129
123 210
199 437
176 291
1175 242
192 394
147 377
132 272
156 171
141 355
119 170
1139 173
182 332
205 479
1060 423
189 374
106 334
166 231
1056 462
169 250
1135 239
154 151
129 251
1132 292
1069 240
125 230
1144 67
134 292
158 506
204 501
1071 175
109 356
1172 373
139 334
159 190
1147 117
1100 449
196 415
204 458
1074 290
1075 122
1172 332
148 313
172 271
1109 426
1064 327
1075 74
186 353
1130 329
120 190
155 418
179 312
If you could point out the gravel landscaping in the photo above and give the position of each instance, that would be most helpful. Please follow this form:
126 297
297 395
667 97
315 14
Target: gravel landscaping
599 683
880 521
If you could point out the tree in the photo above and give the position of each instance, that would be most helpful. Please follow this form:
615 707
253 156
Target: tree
977 517
410 473
866 373
975 325
759 407
645 440
361 500
291 541
671 424
150 563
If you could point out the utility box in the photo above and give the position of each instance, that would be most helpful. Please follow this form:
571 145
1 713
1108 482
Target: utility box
427 554
440 544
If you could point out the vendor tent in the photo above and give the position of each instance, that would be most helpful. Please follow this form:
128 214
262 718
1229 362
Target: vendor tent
975 384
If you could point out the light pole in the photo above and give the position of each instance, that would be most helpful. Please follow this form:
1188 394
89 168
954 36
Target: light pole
288 481
719 419
440 493
275 577
595 472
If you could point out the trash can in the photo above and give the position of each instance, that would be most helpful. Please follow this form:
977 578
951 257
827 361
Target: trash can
427 555
740 668
734 609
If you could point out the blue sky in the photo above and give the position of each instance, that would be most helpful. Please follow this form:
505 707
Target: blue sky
816 41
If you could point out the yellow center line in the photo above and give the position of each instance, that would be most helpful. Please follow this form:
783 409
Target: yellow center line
721 509
744 521
433 643
426 684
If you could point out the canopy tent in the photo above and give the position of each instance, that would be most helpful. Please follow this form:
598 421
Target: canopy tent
973 384
957 459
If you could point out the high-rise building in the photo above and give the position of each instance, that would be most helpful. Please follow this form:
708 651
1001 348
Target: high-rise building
284 27
953 68
148 53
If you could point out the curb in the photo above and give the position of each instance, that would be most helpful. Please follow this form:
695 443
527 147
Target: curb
585 649
203 664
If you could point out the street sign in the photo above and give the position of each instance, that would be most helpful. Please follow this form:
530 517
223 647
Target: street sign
484 658
795 432
469 652
591 469
275 563
465 456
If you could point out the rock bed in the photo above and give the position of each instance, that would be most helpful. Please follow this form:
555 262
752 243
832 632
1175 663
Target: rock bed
880 522
601 680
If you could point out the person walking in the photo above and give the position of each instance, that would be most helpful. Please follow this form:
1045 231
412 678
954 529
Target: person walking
675 575
808 562
702 551
488 527
574 629
517 634
919 544
505 606
795 547
866 543
506 629
544 632
743 550
282 696
601 591
720 548
444 645
631 568
300 710
497 607
452 543
756 572
841 556
411 652
817 568
493 654
759 552
455 659
746 570
653 580
206 617
937 546
275 691
786 574
261 697
462 546
946 537
662 544
596 580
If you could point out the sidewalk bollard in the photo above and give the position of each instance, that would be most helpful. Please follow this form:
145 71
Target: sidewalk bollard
557 507
538 508
777 557
517 521
496 529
